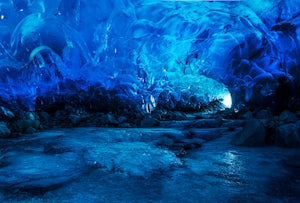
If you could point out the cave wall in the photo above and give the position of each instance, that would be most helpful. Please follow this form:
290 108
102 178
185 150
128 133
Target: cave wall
171 53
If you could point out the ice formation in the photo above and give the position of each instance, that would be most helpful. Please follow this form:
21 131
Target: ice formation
152 52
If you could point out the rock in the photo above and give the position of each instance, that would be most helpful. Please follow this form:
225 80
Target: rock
125 125
264 114
111 120
21 126
157 114
25 124
177 116
75 119
287 117
148 121
44 116
6 114
253 134
287 135
30 130
248 115
4 131
122 119
31 116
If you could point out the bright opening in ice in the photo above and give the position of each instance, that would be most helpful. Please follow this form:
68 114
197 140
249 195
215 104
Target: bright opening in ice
227 101
150 50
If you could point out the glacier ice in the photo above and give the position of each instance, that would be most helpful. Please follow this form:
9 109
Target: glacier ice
174 54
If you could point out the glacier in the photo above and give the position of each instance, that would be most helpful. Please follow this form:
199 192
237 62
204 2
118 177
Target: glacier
149 101
175 54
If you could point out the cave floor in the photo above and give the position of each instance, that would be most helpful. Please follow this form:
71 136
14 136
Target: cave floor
163 164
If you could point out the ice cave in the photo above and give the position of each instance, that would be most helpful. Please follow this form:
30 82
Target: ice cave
149 101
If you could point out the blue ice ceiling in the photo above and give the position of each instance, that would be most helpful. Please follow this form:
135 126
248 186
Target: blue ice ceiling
151 51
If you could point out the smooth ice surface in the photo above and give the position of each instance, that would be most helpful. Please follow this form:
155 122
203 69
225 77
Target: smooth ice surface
141 49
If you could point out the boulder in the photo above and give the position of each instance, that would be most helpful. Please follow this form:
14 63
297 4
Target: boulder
4 131
149 121
287 135
6 114
264 114
248 115
23 125
75 119
287 117
253 134
111 120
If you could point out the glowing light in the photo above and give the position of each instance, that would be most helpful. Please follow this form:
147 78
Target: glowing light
227 101
2 17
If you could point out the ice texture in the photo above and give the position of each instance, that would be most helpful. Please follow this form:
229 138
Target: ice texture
152 51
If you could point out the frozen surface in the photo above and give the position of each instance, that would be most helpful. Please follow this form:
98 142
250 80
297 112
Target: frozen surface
142 49
144 165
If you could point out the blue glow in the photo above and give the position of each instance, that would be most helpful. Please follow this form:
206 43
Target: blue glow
140 49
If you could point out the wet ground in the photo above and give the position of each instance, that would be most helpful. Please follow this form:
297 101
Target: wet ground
171 163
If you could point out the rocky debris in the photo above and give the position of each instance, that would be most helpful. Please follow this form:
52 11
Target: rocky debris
159 114
125 125
30 130
149 121
248 115
176 116
26 126
253 134
122 119
287 117
6 114
4 131
75 119
264 114
44 116
131 158
108 120
287 135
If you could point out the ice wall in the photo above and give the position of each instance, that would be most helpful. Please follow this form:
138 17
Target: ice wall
172 53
